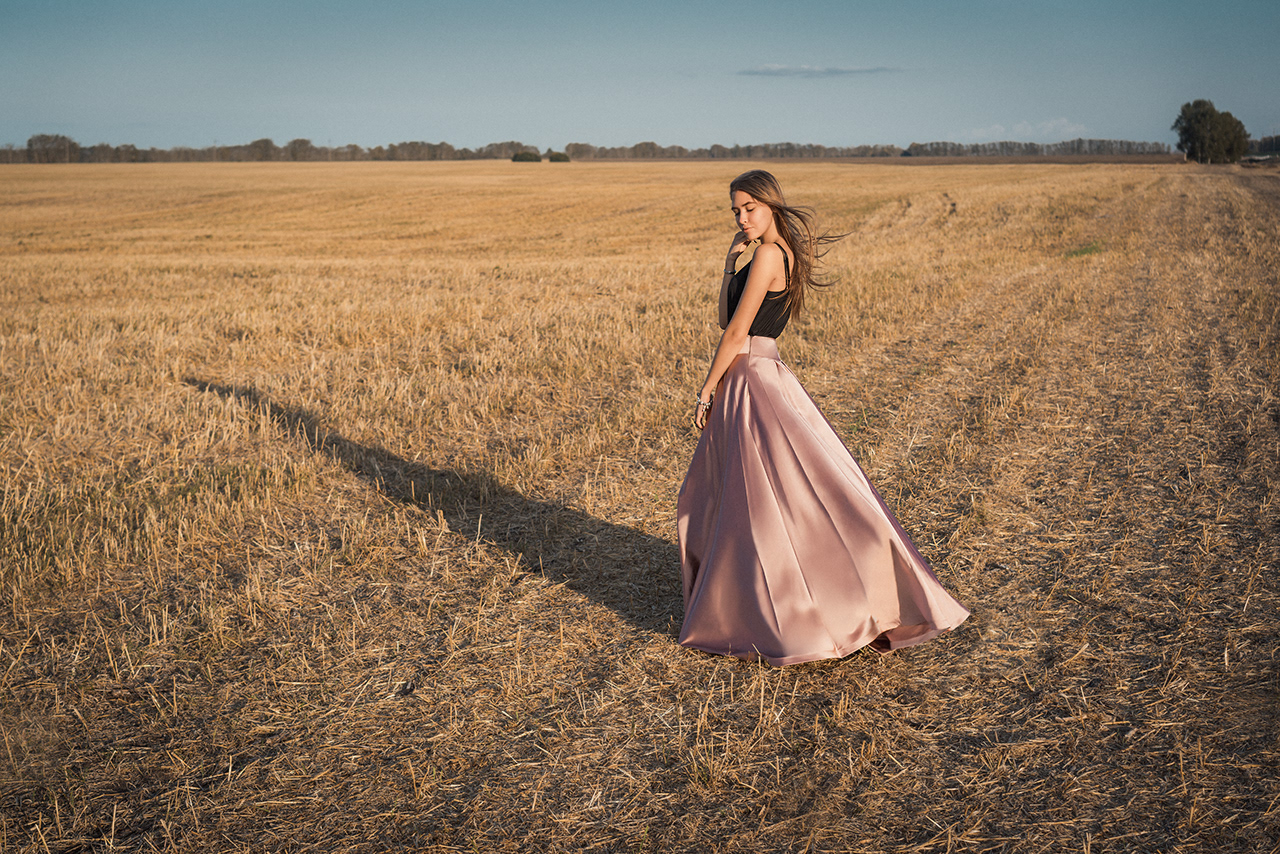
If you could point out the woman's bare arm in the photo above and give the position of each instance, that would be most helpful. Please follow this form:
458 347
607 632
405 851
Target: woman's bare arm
766 273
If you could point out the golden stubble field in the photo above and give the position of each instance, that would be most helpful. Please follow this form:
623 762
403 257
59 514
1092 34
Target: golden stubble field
338 511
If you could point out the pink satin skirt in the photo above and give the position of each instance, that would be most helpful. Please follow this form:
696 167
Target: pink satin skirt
787 552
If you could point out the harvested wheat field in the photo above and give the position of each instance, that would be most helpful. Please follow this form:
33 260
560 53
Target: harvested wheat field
338 511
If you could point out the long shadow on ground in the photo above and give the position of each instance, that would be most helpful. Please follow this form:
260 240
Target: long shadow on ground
632 573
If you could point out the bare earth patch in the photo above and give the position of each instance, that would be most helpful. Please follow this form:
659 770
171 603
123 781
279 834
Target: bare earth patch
338 504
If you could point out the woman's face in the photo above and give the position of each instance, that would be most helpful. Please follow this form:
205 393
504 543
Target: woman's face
753 218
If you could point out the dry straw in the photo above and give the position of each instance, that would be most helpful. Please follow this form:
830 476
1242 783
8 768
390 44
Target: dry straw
337 511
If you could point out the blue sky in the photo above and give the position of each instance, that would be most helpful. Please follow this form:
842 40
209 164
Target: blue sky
170 72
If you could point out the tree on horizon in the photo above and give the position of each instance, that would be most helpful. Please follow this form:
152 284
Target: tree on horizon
1208 136
52 148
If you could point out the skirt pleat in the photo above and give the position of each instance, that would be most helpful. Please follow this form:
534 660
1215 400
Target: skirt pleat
788 554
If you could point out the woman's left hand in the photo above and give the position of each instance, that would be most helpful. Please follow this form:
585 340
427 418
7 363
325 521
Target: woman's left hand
736 248
701 409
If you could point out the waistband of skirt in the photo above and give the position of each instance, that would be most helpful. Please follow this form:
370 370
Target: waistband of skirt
759 345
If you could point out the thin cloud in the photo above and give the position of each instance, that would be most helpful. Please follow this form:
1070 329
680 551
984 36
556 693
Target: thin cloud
1054 130
985 134
1057 128
813 71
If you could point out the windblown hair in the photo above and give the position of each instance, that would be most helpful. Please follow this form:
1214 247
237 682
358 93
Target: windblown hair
795 227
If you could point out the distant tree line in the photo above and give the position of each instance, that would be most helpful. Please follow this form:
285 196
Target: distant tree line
1020 149
51 148
1268 145
653 151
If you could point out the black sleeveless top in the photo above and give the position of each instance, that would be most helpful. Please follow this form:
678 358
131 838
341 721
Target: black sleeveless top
773 315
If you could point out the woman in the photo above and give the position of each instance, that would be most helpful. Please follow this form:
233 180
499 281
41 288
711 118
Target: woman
787 552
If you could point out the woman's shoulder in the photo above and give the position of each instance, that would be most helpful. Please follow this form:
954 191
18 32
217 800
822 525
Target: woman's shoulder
771 254
775 259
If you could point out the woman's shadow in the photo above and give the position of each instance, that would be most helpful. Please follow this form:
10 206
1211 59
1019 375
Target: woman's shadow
630 572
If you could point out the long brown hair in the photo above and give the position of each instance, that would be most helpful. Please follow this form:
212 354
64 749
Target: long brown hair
795 227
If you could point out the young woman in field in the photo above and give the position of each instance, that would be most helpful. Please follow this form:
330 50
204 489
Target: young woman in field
787 552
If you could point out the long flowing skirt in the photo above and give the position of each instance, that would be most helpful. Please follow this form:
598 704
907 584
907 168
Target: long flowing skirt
787 552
